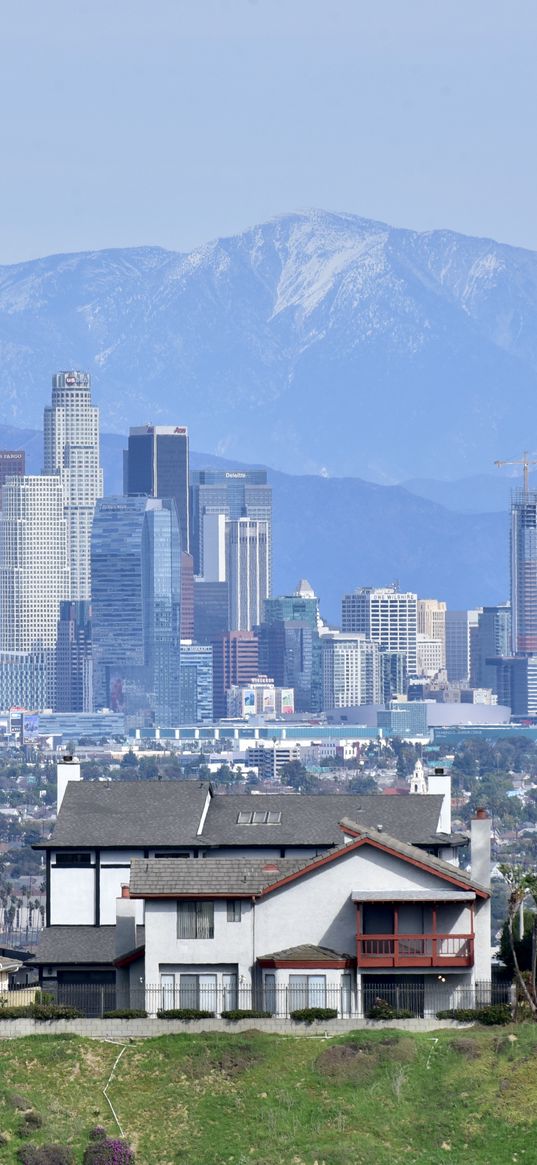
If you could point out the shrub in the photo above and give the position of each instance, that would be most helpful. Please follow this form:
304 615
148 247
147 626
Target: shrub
383 1010
44 1011
185 1013
245 1013
491 1014
31 1121
40 1011
46 1155
310 1014
98 1133
126 1013
108 1151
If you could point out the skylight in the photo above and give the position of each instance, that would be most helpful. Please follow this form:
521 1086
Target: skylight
259 817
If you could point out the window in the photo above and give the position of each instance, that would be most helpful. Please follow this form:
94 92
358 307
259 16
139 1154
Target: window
195 920
70 860
197 991
259 817
234 910
307 991
172 854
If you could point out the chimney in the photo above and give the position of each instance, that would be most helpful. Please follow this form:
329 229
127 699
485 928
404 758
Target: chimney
125 939
480 847
68 769
439 782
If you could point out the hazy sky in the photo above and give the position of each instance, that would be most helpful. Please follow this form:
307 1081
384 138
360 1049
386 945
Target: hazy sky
171 121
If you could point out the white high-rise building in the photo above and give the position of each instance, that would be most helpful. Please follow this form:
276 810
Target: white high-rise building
432 623
71 430
430 656
387 616
247 571
351 670
34 578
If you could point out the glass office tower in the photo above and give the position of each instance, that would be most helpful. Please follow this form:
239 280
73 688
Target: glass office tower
524 571
136 608
235 493
71 450
156 463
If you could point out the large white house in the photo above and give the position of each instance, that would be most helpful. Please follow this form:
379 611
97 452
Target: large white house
165 894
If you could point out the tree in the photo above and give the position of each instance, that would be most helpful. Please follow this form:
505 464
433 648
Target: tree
520 884
129 760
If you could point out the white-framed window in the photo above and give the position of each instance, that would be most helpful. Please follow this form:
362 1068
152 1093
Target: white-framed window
234 909
307 991
195 919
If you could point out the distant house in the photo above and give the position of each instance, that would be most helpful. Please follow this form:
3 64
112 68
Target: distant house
8 968
335 930
168 890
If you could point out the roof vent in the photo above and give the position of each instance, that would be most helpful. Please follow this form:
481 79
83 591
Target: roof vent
271 868
379 828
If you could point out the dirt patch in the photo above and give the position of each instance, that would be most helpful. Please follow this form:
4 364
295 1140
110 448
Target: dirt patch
467 1047
347 1061
235 1060
19 1102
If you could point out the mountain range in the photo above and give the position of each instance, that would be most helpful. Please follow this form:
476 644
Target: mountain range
344 532
318 343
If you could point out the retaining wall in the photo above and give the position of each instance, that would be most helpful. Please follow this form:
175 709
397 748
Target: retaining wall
125 1029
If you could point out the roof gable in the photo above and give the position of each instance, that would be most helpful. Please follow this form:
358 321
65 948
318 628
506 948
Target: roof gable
401 850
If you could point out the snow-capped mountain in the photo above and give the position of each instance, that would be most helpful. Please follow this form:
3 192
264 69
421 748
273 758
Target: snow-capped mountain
316 342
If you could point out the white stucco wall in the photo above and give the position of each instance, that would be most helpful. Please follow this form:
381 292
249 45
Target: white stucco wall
316 909
233 942
72 896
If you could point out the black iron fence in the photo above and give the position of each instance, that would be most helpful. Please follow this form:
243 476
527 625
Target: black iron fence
420 999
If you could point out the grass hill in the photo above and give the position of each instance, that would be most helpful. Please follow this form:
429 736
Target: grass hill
381 1098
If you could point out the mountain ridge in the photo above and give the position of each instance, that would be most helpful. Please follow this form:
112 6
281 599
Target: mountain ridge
314 342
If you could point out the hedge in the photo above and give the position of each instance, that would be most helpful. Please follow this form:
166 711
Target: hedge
185 1013
491 1014
310 1014
126 1013
384 1010
245 1013
40 1011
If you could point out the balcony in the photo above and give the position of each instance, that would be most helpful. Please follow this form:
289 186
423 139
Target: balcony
415 950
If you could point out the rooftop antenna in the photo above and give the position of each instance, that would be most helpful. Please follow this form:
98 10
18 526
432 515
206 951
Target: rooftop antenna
525 461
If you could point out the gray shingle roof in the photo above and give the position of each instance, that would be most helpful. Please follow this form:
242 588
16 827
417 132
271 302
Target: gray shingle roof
167 813
80 944
234 877
313 819
243 877
305 954
141 813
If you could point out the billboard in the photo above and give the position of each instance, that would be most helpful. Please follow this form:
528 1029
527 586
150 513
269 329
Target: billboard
30 725
116 692
269 700
287 701
248 701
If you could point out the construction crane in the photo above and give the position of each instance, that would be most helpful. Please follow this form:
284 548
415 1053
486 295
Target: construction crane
525 461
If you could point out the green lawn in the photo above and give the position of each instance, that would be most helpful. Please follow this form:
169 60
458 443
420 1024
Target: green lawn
380 1098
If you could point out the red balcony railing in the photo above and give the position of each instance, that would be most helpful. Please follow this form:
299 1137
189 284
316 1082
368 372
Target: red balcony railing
415 950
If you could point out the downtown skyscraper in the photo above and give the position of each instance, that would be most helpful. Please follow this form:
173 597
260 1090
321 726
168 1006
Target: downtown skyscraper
156 463
135 608
34 580
524 571
71 433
